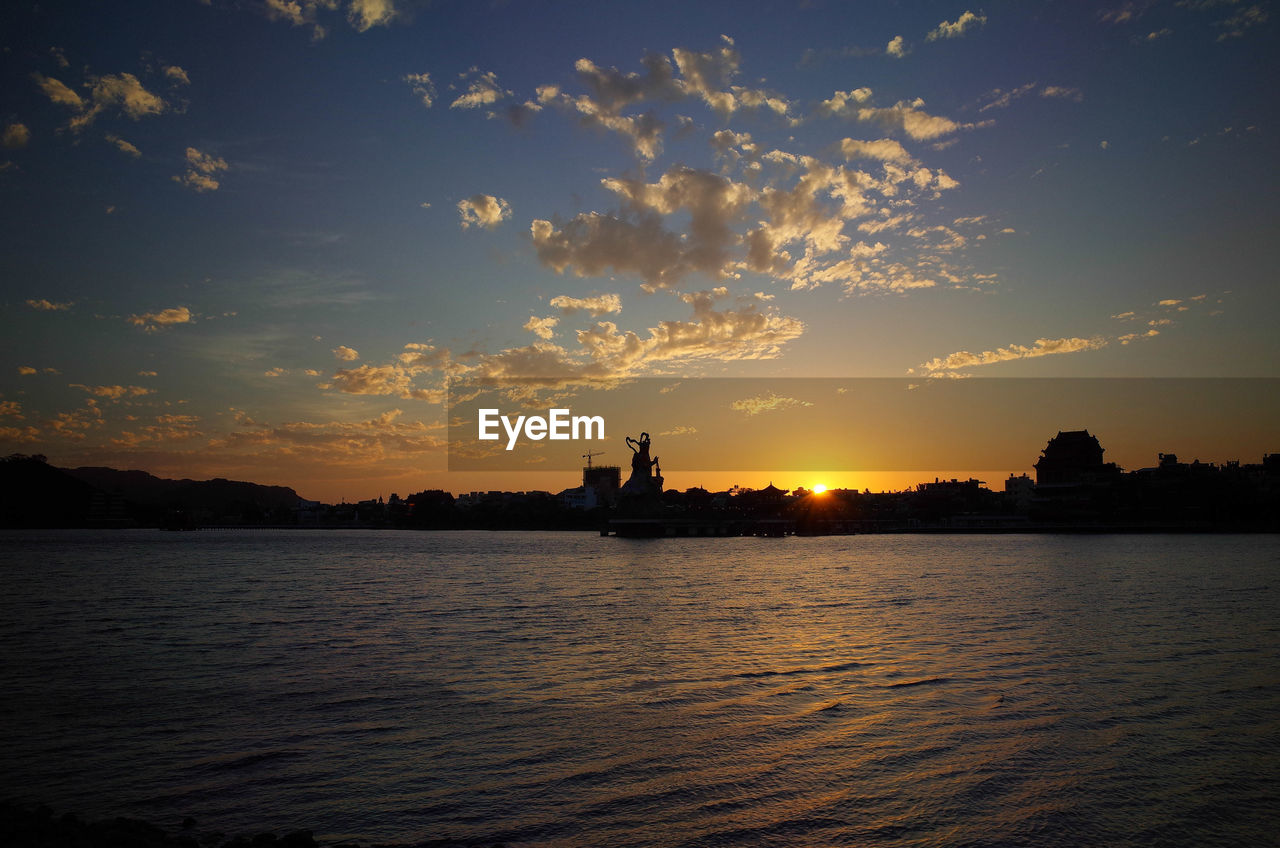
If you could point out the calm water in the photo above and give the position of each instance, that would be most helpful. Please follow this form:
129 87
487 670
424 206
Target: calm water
563 689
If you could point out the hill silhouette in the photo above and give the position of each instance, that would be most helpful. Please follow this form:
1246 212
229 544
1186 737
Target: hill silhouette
36 494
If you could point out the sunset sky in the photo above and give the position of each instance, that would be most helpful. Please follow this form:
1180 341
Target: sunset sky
255 238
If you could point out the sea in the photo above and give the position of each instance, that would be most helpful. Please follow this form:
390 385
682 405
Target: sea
564 689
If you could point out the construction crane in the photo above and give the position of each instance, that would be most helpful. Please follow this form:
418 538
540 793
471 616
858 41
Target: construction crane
587 456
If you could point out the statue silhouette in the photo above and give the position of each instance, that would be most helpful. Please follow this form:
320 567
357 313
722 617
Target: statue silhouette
642 480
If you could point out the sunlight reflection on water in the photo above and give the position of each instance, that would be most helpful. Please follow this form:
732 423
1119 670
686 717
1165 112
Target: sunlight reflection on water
564 689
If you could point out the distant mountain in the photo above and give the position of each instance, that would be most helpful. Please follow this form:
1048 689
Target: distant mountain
219 500
36 494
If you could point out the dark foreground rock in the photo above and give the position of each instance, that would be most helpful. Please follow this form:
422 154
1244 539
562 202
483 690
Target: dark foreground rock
40 827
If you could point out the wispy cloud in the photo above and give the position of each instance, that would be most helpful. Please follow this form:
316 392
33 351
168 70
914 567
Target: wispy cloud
963 359
766 403
50 306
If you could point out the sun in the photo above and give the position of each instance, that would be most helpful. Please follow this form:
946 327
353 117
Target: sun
819 489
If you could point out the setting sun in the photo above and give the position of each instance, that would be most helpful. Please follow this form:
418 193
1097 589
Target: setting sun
819 489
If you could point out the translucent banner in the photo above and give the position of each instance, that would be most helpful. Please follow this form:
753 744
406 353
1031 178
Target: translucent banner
831 424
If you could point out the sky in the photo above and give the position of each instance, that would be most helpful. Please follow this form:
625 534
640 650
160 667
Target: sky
260 239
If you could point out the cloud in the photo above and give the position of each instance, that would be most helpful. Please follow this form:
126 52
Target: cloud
543 328
706 77
1000 98
381 380
957 28
1242 21
606 352
896 47
114 392
15 135
595 305
357 442
123 146
680 430
201 168
882 150
1042 347
911 119
26 370
178 75
1064 92
363 15
482 91
345 353
153 321
58 92
366 14
50 306
123 92
592 243
483 210
423 87
275 372
766 403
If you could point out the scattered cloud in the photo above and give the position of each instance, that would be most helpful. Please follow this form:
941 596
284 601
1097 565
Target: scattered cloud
381 380
595 305
957 28
114 392
999 98
1042 347
153 321
124 93
363 15
201 171
50 306
27 370
483 90
422 87
346 354
1064 92
15 135
366 14
543 328
680 430
349 442
1242 21
123 146
178 75
483 210
907 117
881 150
58 92
766 403
896 47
